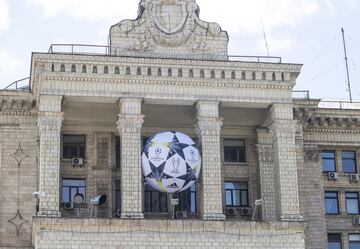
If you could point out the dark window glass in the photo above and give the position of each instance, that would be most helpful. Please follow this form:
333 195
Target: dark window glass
331 203
352 202
349 161
187 200
73 146
117 152
334 241
354 241
234 151
117 195
155 201
70 187
328 161
236 194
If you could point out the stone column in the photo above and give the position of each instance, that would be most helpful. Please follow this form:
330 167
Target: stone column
49 123
283 129
129 125
266 171
208 128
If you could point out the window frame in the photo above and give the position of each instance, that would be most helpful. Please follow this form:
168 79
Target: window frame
240 194
328 158
238 151
332 198
354 241
352 198
66 154
346 159
332 238
72 187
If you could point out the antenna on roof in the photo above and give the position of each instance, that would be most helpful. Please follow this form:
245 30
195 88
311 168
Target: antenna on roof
346 63
264 33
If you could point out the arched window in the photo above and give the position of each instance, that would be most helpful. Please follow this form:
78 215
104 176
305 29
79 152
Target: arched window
191 73
117 70
83 69
263 76
212 74
223 74
180 73
253 76
52 67
282 77
149 71
94 70
127 71
273 77
106 70
233 76
73 68
169 72
243 76
138 71
202 74
159 73
62 68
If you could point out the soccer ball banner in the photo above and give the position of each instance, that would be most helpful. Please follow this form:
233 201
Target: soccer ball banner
171 162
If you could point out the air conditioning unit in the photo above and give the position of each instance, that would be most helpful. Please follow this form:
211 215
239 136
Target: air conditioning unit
231 211
77 162
181 215
354 178
356 221
333 175
246 211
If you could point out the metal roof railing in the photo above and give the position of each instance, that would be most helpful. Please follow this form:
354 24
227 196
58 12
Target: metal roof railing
301 94
339 104
105 50
19 85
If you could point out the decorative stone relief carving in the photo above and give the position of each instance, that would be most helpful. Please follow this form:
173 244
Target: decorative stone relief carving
311 154
169 27
130 123
265 152
17 107
208 126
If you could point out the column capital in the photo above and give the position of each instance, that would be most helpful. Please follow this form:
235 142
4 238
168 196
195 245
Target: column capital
131 123
50 121
208 126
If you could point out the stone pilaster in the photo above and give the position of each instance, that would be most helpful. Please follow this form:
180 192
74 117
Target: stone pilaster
283 129
208 128
266 172
129 125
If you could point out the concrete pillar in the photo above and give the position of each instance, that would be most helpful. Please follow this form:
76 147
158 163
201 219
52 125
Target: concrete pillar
49 123
283 129
266 173
208 128
129 125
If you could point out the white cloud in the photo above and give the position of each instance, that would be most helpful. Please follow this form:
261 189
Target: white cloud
4 15
8 63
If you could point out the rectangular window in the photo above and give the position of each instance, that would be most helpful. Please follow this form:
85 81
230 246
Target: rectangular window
155 201
328 161
331 203
187 200
349 161
352 202
236 194
354 241
117 151
73 146
234 151
71 187
334 241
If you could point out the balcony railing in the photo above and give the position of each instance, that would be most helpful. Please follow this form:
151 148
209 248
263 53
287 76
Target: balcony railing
19 85
342 105
301 94
105 50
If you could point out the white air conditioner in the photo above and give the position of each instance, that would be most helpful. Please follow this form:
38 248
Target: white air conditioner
231 211
356 221
333 175
77 162
246 211
354 178
181 215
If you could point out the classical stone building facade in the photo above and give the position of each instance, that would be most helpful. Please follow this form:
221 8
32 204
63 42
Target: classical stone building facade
278 172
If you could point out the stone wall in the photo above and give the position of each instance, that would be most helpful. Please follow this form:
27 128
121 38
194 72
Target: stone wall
115 234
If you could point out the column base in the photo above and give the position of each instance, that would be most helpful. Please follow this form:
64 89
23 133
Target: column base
292 217
49 214
218 216
130 215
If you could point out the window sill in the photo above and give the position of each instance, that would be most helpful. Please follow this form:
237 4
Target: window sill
236 164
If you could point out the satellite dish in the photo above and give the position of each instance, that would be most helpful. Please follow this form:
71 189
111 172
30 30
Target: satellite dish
98 200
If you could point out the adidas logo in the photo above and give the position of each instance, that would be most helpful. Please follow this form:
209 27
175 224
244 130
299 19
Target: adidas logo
173 185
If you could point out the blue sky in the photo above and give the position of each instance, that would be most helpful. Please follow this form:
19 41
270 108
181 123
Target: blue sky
300 31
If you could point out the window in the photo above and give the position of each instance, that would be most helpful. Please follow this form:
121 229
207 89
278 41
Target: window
331 203
352 202
187 200
354 241
202 74
83 69
106 70
155 201
236 194
73 69
117 196
328 161
117 70
71 187
234 151
233 75
117 152
349 161
212 74
94 70
73 146
223 74
334 241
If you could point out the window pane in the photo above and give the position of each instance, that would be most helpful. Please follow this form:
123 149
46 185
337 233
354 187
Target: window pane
331 203
228 198
328 165
147 201
328 154
65 195
236 197
231 154
230 185
349 161
234 143
244 199
163 202
74 139
354 237
155 207
73 183
193 203
334 241
352 203
334 245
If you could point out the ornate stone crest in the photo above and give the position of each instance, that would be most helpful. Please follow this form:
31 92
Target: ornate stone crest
169 28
